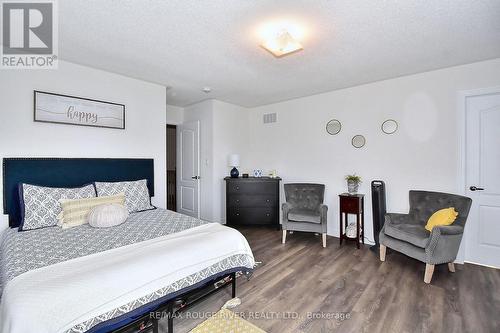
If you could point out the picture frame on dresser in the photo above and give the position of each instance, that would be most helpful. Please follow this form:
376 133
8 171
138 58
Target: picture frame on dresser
253 201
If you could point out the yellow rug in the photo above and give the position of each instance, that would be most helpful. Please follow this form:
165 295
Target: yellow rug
226 321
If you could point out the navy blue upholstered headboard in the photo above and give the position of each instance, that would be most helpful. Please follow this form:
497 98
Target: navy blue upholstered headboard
67 172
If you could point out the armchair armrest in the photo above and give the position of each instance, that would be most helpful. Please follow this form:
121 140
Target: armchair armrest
396 218
286 208
448 230
444 243
323 210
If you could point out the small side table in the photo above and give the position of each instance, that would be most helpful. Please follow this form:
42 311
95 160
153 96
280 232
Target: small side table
352 204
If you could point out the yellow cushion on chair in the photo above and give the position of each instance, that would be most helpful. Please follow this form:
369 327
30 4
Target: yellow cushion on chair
444 216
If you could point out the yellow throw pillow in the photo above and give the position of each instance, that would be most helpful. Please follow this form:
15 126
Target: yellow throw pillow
75 212
444 216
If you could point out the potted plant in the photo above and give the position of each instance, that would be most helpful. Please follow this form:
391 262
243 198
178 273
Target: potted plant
353 182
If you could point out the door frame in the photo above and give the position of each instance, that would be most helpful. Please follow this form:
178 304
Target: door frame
166 163
462 154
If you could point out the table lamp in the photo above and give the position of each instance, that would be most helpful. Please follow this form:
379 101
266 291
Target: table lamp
234 161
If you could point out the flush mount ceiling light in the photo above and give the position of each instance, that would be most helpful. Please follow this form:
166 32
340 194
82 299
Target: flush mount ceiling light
281 38
282 45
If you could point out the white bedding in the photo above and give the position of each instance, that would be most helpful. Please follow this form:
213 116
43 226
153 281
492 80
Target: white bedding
69 295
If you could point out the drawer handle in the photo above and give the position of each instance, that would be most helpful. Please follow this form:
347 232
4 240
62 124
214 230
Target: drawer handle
267 214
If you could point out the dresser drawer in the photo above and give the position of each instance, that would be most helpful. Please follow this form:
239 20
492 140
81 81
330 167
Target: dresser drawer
249 200
247 215
350 205
252 187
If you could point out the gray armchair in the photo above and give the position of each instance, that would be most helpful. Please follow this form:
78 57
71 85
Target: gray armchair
304 209
406 233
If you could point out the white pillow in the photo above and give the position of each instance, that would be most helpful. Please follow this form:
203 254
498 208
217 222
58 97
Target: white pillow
108 215
75 212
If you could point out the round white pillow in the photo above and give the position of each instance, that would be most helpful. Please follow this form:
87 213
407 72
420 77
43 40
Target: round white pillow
108 215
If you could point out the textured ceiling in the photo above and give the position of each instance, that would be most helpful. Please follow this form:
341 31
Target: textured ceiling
190 44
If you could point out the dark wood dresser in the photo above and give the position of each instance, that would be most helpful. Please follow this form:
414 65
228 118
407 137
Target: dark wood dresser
253 201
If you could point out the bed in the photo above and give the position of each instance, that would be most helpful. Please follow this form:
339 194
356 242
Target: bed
89 279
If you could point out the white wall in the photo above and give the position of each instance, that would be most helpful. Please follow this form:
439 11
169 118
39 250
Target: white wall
175 115
144 136
223 130
423 154
230 136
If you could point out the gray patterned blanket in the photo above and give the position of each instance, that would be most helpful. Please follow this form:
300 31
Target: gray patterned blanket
24 251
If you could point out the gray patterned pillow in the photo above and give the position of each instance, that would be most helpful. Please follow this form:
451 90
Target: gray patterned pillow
136 193
40 205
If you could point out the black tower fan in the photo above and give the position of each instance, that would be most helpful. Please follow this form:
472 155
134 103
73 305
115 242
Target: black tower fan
378 209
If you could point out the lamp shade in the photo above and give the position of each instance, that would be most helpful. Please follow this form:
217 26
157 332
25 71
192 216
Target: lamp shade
234 160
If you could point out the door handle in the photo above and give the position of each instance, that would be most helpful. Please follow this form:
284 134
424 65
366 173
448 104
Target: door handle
474 188
195 177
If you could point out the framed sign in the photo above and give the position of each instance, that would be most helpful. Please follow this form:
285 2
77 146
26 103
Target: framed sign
71 110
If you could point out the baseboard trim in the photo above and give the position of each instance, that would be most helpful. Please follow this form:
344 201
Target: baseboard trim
475 263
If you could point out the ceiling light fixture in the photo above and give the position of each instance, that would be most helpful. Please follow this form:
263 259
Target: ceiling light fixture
281 45
281 38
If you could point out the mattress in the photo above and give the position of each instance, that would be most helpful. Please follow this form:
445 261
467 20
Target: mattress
84 277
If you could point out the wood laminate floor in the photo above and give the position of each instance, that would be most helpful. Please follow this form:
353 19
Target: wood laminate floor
302 287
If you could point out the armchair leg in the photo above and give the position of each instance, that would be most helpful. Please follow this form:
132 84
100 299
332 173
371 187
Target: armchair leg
451 267
429 270
382 252
324 240
283 239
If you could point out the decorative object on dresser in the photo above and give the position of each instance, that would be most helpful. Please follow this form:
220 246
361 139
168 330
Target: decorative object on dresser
304 209
71 110
406 233
257 173
352 204
353 182
252 201
234 161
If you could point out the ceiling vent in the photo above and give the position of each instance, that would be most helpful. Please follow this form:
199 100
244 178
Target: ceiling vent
269 118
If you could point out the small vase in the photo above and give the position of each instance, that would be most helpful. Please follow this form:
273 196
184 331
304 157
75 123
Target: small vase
352 187
234 173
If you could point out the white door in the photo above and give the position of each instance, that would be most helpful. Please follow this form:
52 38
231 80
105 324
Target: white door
188 166
483 178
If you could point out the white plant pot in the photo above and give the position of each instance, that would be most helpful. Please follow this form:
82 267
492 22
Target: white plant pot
352 187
